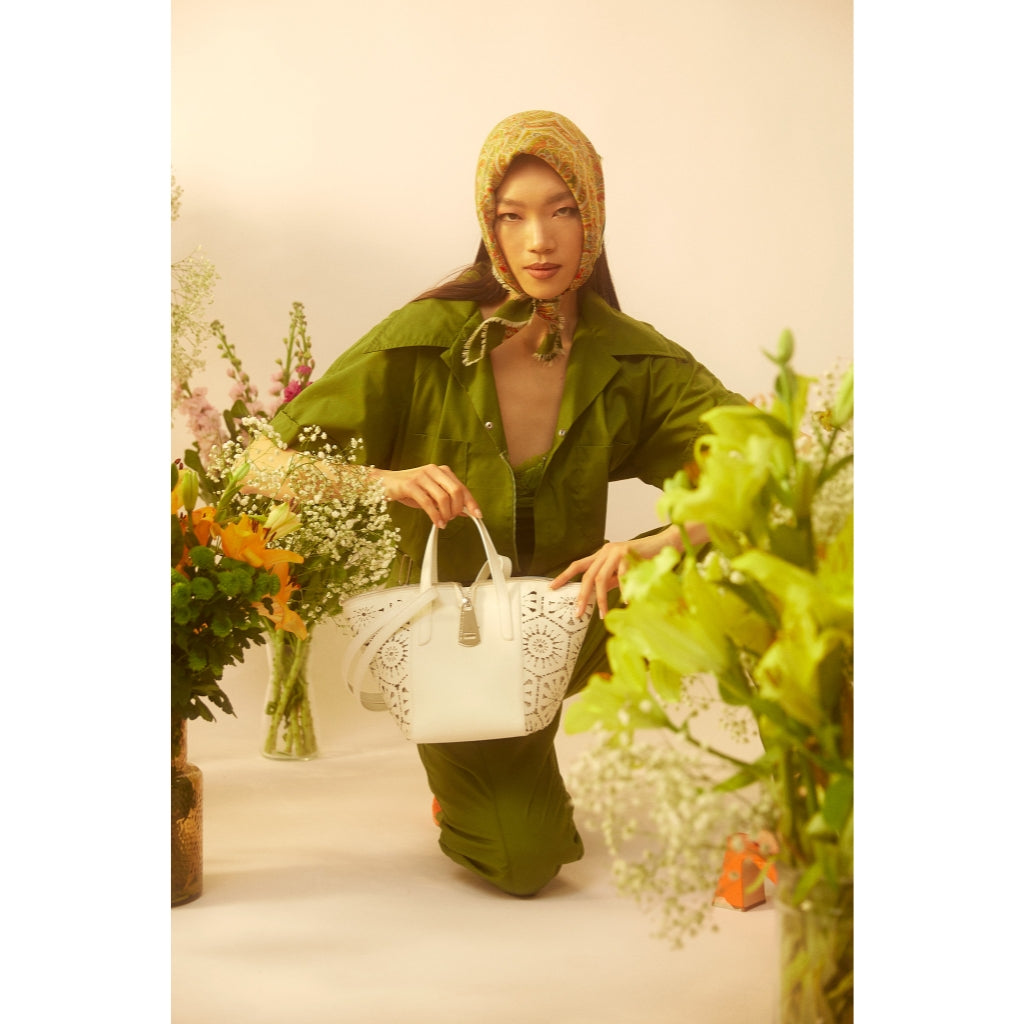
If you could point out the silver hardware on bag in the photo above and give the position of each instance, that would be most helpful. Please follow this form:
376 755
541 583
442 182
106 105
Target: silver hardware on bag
469 630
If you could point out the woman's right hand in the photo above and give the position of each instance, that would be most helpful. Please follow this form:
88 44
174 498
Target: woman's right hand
435 489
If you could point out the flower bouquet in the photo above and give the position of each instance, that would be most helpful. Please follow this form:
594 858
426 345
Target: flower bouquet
340 527
230 582
343 532
765 610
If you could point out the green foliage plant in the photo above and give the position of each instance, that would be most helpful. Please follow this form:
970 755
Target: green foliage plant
765 609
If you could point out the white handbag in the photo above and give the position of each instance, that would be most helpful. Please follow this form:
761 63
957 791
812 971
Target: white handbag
454 663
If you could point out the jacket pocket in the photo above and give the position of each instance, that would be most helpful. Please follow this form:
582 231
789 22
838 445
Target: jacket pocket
426 449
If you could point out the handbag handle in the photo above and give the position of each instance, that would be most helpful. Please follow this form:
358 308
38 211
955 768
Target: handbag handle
364 647
501 568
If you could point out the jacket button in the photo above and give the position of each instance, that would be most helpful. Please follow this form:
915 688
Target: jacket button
489 425
561 433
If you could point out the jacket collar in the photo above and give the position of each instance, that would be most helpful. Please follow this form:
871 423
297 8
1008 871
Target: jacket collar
603 338
446 324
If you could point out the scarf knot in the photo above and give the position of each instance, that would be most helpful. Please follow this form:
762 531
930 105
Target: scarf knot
510 319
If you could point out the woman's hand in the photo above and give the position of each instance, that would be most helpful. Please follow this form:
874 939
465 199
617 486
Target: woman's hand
600 573
602 570
435 489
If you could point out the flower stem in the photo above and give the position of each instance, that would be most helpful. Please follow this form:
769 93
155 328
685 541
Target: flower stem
288 710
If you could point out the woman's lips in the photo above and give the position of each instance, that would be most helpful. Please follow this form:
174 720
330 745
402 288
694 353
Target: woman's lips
542 271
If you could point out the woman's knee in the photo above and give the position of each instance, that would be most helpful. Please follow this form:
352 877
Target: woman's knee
527 874
519 869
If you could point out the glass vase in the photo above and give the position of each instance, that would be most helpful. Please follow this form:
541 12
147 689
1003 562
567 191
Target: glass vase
288 712
186 819
815 954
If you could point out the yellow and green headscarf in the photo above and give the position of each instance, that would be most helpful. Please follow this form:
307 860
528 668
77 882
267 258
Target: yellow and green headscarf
563 147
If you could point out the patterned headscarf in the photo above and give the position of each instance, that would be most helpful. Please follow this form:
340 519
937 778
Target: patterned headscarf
563 147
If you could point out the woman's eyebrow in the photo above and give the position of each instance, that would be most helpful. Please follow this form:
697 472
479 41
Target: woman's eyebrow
558 197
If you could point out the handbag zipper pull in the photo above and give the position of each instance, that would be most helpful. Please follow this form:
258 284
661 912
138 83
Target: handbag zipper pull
469 631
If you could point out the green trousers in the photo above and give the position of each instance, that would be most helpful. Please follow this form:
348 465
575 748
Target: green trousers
505 811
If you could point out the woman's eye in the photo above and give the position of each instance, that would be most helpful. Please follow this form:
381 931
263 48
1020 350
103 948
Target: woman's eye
566 211
508 216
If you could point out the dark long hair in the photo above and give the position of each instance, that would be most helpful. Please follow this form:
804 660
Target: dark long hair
478 284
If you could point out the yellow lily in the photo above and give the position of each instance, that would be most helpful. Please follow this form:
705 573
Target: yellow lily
281 521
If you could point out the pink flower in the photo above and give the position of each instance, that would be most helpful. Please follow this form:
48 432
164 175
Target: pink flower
204 422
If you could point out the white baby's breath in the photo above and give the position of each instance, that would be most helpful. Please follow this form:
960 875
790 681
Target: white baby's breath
345 534
664 824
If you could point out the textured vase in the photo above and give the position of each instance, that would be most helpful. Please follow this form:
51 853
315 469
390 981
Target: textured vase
288 729
815 955
186 819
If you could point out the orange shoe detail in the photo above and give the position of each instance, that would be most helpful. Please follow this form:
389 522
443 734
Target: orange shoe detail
741 885
435 811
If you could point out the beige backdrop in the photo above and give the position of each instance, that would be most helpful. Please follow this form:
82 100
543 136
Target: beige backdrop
327 150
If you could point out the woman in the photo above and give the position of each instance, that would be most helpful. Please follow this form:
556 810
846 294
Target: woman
516 393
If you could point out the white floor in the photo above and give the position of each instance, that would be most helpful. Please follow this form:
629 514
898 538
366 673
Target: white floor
327 901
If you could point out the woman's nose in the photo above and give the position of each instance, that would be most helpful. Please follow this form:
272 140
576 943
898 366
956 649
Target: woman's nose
540 238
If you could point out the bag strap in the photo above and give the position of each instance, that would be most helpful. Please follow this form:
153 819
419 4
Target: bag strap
364 647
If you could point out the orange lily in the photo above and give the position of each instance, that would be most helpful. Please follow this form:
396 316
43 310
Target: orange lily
281 615
202 522
246 541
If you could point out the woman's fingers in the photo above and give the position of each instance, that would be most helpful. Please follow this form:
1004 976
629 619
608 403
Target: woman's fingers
435 489
599 573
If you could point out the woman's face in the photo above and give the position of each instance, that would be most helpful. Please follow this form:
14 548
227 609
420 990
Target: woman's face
538 227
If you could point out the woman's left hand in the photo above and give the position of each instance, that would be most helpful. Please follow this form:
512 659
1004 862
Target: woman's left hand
601 571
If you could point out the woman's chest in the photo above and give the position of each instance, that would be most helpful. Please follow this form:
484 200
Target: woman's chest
529 395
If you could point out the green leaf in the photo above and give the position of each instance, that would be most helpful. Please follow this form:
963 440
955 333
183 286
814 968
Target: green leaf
807 881
793 544
666 682
746 776
843 409
837 806
836 467
619 702
827 599
177 541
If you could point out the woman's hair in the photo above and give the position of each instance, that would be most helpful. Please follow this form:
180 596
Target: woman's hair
478 284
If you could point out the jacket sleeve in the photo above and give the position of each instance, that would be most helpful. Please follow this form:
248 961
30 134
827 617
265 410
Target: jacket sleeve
677 392
363 396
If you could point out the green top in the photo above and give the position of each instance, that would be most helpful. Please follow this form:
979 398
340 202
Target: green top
630 409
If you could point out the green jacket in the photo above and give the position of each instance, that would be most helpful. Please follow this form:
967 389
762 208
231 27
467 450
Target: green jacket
631 408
